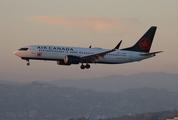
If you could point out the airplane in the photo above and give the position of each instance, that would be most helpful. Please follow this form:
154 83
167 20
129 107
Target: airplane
67 55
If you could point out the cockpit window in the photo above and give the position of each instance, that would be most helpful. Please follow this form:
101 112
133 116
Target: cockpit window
23 49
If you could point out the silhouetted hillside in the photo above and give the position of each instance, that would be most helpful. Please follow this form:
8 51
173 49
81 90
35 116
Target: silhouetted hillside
11 82
41 100
116 83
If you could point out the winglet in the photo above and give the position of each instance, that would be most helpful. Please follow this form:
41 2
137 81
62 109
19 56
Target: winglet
118 45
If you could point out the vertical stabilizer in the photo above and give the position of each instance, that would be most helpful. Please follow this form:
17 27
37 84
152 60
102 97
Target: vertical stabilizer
145 42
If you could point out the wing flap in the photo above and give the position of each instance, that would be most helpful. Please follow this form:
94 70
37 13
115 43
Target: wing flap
96 56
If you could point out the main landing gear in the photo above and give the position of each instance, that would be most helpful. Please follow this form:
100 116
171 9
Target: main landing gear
87 66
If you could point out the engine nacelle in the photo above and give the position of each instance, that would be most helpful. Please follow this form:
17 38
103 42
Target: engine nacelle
61 62
69 59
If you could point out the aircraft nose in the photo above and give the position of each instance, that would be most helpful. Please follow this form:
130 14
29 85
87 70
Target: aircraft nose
16 53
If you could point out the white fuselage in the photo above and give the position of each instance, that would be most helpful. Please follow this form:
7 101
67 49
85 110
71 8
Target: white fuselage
55 53
67 55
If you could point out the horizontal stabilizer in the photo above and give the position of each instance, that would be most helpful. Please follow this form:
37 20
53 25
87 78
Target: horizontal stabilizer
152 53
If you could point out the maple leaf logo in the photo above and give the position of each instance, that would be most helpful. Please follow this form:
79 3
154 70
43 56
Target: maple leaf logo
39 54
144 44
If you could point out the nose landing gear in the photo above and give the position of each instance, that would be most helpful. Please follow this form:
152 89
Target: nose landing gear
28 62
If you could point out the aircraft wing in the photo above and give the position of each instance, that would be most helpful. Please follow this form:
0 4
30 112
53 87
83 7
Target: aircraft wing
99 55
96 56
152 53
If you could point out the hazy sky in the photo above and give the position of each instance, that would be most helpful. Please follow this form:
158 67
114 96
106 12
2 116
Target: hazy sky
100 23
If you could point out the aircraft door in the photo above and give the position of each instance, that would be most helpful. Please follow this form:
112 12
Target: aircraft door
33 50
130 56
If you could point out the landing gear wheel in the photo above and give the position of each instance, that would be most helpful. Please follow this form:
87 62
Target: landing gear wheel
82 66
87 66
28 64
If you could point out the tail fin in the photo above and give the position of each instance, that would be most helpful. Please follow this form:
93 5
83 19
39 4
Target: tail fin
145 42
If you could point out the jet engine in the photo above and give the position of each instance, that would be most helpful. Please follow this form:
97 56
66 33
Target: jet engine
61 62
69 59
